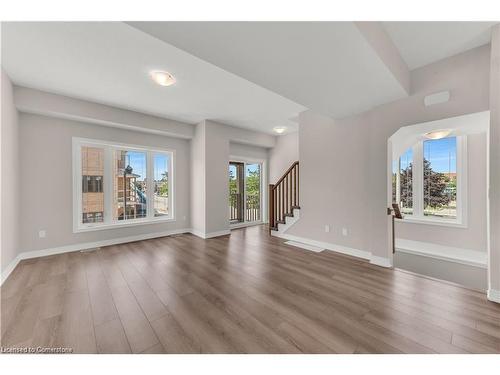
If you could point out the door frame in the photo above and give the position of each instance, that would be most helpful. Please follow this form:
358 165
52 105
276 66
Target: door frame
263 190
240 180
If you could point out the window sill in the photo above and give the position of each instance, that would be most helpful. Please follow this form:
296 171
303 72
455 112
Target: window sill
129 223
443 223
446 253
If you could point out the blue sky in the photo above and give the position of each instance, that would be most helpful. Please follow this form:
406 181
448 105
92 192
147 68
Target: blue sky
442 153
137 160
160 165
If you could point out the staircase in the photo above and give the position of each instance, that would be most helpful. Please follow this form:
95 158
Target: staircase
284 200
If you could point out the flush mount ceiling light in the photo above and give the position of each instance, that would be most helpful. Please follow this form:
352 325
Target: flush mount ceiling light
437 134
162 78
279 129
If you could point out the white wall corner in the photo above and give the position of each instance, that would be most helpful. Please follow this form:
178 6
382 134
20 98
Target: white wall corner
493 295
381 261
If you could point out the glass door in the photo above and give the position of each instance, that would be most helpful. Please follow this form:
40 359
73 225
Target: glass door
245 192
236 192
252 192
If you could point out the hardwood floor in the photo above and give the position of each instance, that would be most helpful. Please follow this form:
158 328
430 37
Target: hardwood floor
244 293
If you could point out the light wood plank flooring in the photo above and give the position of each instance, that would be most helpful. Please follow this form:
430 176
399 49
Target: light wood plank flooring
244 293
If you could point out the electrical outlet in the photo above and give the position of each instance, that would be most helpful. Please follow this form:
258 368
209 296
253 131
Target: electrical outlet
327 228
344 231
42 233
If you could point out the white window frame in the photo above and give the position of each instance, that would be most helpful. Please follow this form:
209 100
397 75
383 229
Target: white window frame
263 196
418 184
109 181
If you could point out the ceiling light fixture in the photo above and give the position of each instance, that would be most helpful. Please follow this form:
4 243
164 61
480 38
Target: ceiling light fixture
162 78
279 129
437 134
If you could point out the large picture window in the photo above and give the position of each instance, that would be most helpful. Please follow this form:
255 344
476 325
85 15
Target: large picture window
429 181
117 184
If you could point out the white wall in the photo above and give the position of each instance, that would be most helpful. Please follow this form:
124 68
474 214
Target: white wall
217 186
43 103
344 177
198 217
46 181
9 186
494 168
333 181
472 237
248 151
283 155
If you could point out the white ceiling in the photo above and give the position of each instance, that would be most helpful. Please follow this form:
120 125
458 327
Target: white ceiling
253 75
108 62
421 43
325 66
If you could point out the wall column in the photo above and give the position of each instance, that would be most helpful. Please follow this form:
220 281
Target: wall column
209 180
494 171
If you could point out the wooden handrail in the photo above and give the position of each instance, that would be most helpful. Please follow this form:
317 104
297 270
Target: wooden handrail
284 196
287 172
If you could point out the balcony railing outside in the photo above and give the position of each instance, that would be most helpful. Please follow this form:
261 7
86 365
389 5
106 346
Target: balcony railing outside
235 207
252 211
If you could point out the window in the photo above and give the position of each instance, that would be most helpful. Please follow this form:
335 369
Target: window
130 197
160 184
403 178
92 172
440 178
92 184
119 185
429 181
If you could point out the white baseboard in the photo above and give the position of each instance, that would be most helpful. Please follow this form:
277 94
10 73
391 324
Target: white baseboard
8 270
205 236
493 295
325 245
381 261
375 260
84 246
218 234
305 246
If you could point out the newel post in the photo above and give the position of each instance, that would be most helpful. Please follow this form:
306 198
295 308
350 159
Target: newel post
271 207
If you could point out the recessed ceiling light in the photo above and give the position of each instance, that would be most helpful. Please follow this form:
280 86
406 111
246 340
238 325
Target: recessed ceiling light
437 134
162 78
279 129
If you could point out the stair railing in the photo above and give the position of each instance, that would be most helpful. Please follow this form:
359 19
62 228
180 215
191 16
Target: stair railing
284 197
